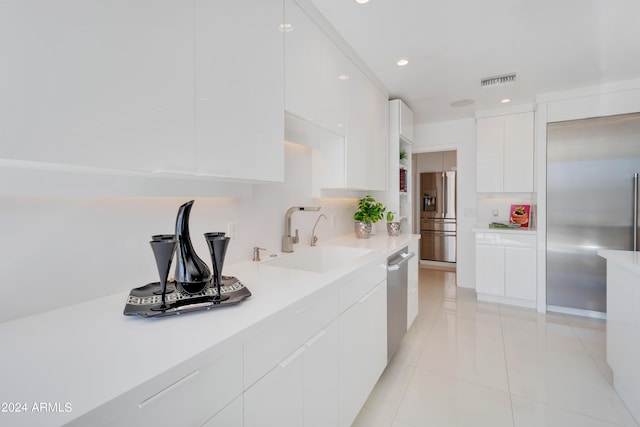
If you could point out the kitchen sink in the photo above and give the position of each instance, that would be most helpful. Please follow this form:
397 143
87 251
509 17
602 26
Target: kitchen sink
319 259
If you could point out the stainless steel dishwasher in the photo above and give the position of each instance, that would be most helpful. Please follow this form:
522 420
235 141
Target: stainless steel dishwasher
397 277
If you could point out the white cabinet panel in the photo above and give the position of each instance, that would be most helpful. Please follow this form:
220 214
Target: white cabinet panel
230 416
406 122
199 394
367 136
506 268
518 153
505 153
240 89
102 84
321 373
490 270
277 399
490 156
520 273
363 350
317 73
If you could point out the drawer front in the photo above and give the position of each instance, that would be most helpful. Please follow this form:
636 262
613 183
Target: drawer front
519 241
355 285
191 400
284 334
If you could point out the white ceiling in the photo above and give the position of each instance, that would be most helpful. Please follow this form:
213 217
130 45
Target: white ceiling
553 45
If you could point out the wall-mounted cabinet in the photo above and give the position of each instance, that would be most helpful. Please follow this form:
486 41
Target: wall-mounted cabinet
108 86
239 81
98 84
328 90
505 153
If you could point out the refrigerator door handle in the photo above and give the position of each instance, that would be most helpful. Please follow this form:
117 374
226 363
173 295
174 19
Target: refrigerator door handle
635 212
444 195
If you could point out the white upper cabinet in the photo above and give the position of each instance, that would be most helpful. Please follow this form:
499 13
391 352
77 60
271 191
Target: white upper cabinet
240 89
103 84
505 153
406 122
324 87
367 136
317 73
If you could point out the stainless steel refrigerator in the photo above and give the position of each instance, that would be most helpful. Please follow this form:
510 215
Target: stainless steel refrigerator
438 216
592 167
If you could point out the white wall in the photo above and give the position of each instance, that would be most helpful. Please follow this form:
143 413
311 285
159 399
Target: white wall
60 251
459 135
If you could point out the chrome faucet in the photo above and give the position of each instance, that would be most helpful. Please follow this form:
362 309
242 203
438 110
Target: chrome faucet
288 240
314 238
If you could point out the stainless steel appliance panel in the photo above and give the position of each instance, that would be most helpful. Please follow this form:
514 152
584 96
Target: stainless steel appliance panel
591 165
438 225
438 246
397 283
438 194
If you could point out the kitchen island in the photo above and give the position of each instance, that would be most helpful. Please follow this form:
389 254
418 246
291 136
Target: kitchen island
88 364
623 324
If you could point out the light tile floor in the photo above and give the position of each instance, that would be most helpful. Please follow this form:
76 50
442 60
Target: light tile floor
466 363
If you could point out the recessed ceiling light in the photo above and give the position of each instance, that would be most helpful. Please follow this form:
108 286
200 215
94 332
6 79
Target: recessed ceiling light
402 62
286 28
343 77
462 103
506 101
362 1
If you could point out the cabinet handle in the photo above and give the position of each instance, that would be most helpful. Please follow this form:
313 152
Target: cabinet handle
166 390
364 298
300 310
286 362
313 340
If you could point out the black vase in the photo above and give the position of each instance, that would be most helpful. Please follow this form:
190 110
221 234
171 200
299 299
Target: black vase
192 274
218 245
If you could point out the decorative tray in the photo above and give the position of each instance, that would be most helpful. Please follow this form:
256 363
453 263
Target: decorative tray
145 301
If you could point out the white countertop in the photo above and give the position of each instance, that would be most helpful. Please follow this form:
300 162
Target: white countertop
627 259
484 228
90 353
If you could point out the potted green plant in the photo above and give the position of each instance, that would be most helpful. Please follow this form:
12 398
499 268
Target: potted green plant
369 212
393 227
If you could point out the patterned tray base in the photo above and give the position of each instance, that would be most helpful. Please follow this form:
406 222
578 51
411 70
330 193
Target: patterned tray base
145 301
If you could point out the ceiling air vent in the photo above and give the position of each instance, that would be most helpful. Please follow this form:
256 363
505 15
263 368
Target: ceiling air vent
505 79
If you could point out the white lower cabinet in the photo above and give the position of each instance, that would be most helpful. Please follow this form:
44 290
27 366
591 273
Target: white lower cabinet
199 395
363 350
277 398
230 416
302 390
506 268
320 377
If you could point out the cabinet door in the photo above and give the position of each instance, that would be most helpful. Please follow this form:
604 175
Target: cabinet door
199 395
367 136
317 73
321 372
406 122
362 350
490 270
101 84
240 89
520 273
518 153
490 156
229 416
277 399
